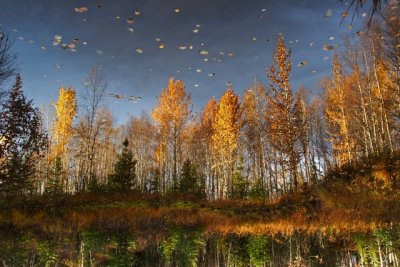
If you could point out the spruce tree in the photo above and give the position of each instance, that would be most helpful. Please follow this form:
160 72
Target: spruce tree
188 177
190 182
124 175
21 141
54 186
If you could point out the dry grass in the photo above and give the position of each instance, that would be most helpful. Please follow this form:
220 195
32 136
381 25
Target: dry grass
356 199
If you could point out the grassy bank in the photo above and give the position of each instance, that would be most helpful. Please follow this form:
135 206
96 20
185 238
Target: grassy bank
358 198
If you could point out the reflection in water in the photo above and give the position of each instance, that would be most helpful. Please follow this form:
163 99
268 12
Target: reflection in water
192 247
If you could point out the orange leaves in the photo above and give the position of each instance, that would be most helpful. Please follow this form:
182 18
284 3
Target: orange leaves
226 124
172 113
173 107
280 115
279 72
209 113
336 112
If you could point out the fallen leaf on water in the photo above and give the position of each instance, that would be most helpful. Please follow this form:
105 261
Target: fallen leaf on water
82 9
328 14
302 64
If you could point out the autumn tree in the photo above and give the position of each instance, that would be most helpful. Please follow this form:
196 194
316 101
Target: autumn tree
226 126
338 116
282 130
21 141
66 109
141 133
254 147
171 114
103 151
91 123
206 161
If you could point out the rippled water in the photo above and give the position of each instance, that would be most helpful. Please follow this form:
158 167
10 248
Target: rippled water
179 246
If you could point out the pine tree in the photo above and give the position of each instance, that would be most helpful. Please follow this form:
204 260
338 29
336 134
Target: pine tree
124 175
189 179
21 141
54 182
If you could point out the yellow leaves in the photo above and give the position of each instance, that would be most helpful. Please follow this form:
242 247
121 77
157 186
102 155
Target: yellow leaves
249 106
337 114
172 113
226 124
66 109
209 113
159 153
173 107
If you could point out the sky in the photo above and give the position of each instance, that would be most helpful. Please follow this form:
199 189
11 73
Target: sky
226 41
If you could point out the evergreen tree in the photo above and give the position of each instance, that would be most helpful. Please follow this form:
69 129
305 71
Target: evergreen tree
189 179
123 178
239 189
54 185
21 141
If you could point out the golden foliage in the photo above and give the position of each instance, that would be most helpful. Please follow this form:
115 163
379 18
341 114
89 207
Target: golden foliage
280 100
208 115
66 109
173 107
338 116
226 125
172 113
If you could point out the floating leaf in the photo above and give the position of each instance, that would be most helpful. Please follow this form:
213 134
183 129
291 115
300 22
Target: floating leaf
82 9
302 64
203 52
328 14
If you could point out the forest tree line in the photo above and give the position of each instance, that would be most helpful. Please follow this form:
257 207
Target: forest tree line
268 142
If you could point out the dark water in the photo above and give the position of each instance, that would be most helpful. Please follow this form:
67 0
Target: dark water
179 246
